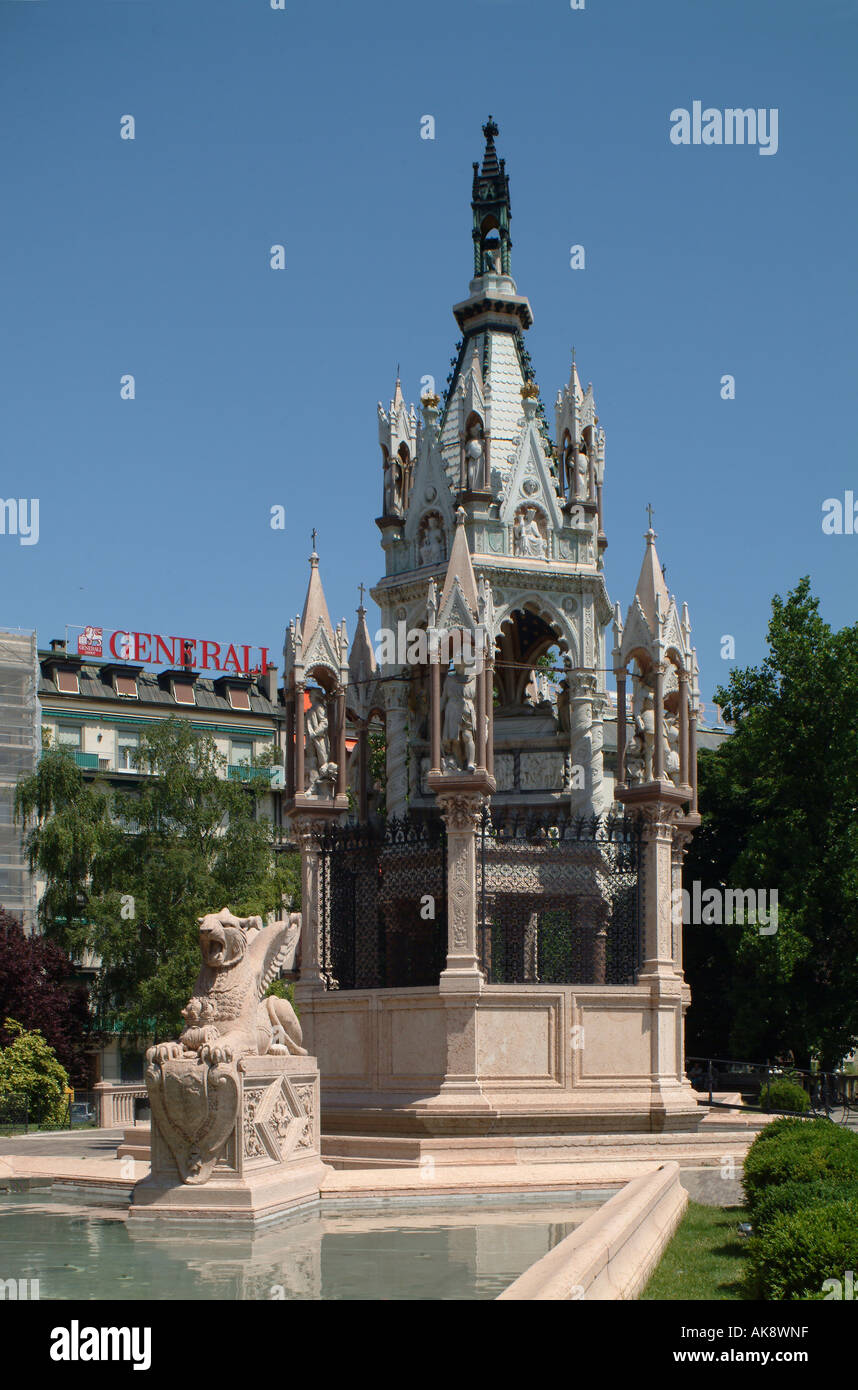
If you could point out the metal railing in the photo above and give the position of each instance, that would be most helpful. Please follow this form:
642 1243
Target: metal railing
830 1094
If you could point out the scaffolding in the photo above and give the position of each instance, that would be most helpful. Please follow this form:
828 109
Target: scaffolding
20 745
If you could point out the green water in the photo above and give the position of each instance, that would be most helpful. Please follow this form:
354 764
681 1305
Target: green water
81 1251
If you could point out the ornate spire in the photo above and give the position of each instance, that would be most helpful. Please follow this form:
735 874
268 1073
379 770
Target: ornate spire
315 607
362 663
651 591
460 569
491 208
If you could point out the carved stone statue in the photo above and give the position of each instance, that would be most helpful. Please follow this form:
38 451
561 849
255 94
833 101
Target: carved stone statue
393 486
582 474
528 540
317 742
432 547
671 748
227 1019
474 456
458 721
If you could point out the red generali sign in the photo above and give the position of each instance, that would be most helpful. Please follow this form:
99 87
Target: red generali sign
194 652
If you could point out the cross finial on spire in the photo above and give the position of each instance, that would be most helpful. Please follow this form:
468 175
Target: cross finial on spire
313 534
649 512
361 588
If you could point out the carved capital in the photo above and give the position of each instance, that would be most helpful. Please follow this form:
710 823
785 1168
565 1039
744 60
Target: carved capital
461 812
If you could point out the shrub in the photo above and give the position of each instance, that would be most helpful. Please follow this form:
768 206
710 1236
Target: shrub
29 1067
799 1250
789 1197
800 1151
782 1093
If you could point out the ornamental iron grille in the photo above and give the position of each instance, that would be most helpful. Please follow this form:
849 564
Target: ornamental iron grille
377 889
559 898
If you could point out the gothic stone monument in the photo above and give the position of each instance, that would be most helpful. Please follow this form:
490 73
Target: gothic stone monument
496 960
235 1099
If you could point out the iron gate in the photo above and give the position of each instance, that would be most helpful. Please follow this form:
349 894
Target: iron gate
559 898
383 904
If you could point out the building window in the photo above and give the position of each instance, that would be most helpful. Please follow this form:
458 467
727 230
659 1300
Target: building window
68 735
126 686
67 683
127 746
238 698
242 753
183 693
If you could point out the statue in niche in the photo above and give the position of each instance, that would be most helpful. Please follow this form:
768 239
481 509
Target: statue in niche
393 485
635 759
459 720
582 472
317 743
528 540
671 748
474 456
564 709
642 745
432 546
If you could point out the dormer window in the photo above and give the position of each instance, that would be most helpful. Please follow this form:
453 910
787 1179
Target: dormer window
239 698
125 686
67 682
183 693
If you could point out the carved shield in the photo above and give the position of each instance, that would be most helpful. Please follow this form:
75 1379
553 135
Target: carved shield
195 1107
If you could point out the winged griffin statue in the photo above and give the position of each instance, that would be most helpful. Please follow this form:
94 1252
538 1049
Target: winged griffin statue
227 1019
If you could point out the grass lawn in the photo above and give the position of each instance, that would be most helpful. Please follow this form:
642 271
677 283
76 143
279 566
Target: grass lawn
705 1259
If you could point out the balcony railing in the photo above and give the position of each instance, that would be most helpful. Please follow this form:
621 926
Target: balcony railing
88 760
243 772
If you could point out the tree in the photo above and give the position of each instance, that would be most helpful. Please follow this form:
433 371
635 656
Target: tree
37 989
29 1067
780 807
131 882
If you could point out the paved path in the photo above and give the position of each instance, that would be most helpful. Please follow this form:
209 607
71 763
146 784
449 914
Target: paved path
80 1143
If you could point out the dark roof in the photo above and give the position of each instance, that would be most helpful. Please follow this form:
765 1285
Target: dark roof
153 691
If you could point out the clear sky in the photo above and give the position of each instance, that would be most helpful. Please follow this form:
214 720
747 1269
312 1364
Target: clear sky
257 387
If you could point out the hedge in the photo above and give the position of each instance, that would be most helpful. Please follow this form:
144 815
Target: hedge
799 1250
805 1151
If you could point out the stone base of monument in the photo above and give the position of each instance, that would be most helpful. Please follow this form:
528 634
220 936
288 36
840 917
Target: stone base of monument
238 1143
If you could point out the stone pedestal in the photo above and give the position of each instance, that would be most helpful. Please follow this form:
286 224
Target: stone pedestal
267 1164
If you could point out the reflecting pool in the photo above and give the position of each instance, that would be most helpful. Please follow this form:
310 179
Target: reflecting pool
79 1250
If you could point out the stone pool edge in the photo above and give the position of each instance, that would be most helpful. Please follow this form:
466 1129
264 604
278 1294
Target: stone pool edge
612 1253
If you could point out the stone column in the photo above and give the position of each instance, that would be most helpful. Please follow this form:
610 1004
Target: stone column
481 719
582 688
692 759
461 813
341 743
363 772
490 715
621 726
435 716
299 739
290 745
312 977
658 731
396 704
683 729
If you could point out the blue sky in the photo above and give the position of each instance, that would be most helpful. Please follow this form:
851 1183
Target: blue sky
256 387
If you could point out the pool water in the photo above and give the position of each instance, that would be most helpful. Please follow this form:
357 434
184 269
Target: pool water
80 1251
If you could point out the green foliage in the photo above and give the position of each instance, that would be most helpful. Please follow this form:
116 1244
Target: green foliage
29 1067
792 1196
798 1250
129 871
800 1151
781 1093
280 989
778 801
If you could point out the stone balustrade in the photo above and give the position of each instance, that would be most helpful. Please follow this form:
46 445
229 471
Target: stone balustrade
115 1102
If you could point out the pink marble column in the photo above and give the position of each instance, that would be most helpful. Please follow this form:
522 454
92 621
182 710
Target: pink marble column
621 726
